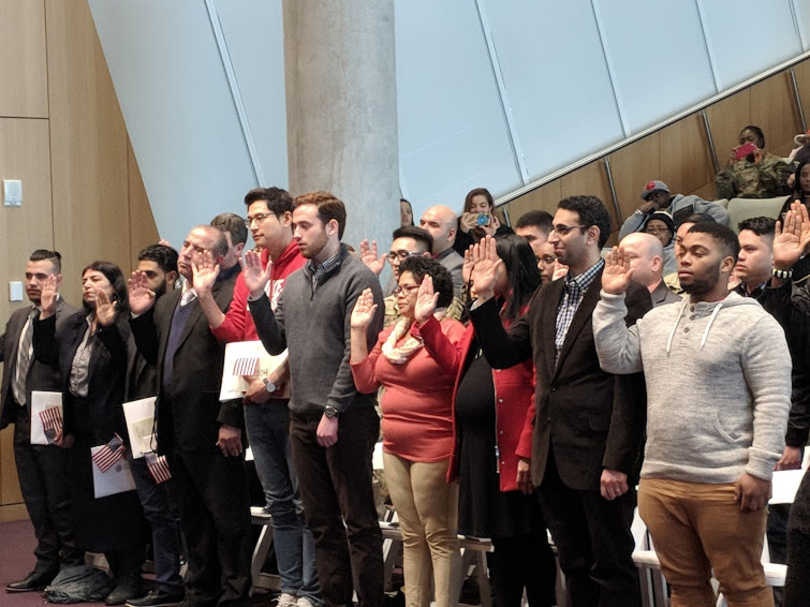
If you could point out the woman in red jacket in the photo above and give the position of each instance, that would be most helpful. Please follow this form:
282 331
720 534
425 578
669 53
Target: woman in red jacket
417 424
493 420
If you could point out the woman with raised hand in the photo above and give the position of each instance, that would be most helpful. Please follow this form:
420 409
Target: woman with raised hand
494 415
91 353
417 422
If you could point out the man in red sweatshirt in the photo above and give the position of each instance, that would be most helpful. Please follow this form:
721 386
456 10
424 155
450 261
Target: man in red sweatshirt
266 415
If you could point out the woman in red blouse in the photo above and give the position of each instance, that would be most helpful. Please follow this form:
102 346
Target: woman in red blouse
417 424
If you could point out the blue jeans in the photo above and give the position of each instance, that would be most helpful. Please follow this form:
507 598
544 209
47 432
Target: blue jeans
268 428
165 526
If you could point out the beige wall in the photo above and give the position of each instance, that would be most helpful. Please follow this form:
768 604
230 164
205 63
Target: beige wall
679 154
62 133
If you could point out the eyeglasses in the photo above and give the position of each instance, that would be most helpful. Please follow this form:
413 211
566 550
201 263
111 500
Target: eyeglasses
401 255
258 218
652 230
408 289
565 230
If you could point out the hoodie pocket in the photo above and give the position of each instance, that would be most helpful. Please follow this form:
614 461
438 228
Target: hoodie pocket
722 431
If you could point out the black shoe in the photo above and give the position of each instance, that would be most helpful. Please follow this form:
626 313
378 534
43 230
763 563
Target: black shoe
124 590
35 582
157 598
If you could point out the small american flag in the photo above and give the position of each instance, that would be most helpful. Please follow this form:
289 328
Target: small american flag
106 457
158 467
51 422
246 366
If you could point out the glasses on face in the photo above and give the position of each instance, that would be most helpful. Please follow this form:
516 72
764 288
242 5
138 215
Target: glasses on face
406 289
401 255
258 218
564 230
198 248
656 230
546 260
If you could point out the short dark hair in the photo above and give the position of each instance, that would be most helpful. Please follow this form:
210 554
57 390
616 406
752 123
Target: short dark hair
536 219
278 201
119 284
420 235
697 218
761 226
592 212
477 192
233 225
756 131
165 257
53 256
329 208
521 270
722 235
421 266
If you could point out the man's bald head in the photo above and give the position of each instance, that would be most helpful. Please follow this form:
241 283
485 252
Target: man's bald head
440 221
646 255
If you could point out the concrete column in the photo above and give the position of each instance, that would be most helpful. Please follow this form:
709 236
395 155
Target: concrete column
340 77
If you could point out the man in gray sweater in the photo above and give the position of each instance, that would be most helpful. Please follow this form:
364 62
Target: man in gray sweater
718 386
312 318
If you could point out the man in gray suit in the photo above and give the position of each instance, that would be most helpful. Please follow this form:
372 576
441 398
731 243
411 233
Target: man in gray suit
42 469
646 255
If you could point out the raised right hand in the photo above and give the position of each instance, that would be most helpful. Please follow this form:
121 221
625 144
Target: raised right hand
617 273
368 255
205 273
426 301
791 236
256 278
141 297
48 298
487 267
363 311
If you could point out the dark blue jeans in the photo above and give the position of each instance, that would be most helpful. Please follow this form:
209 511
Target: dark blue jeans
268 430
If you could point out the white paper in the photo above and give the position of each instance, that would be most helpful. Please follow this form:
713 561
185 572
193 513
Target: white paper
785 485
118 479
235 386
39 402
140 416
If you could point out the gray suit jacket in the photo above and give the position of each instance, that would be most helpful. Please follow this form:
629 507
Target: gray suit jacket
40 375
663 295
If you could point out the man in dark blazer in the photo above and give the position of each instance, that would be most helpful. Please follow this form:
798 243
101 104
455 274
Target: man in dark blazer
589 424
41 469
200 435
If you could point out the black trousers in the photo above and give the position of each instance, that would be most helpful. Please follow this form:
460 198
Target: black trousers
797 584
42 471
214 504
594 542
335 486
525 561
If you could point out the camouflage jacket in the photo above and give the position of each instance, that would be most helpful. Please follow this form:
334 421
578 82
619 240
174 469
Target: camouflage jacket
746 179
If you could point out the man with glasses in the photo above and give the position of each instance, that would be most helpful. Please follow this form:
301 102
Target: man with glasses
267 418
589 424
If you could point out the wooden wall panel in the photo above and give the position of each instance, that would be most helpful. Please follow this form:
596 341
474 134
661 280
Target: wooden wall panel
88 146
23 70
773 109
686 162
726 120
542 199
632 167
802 71
143 230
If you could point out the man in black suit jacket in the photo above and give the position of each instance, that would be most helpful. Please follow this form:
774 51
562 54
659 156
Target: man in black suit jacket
200 435
41 469
589 424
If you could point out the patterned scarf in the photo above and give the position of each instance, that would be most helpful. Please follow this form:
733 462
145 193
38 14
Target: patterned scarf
400 355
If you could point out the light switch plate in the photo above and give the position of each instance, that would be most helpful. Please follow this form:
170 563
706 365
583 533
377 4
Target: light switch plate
12 192
15 291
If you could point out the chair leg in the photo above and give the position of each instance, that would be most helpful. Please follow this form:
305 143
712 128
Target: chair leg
260 554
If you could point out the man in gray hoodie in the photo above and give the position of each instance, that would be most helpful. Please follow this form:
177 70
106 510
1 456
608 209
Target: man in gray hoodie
717 369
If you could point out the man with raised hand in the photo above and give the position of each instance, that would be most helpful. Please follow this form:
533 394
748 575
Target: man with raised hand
718 385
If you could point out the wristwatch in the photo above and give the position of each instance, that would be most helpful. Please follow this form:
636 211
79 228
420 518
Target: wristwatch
330 412
269 386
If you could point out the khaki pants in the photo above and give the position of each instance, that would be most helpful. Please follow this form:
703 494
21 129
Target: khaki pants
697 527
427 506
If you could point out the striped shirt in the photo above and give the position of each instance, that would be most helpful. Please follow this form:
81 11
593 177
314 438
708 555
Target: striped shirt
319 270
573 292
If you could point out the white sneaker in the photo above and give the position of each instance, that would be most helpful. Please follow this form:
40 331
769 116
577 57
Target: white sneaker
286 600
305 602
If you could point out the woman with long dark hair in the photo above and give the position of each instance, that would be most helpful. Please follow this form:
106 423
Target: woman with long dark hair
493 411
91 352
478 220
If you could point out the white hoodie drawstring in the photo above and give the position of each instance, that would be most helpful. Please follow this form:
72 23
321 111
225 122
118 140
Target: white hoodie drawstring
709 326
675 326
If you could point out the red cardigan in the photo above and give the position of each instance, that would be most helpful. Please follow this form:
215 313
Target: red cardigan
514 404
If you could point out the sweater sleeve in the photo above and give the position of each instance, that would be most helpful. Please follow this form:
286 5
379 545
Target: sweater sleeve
364 372
616 344
766 366
632 224
441 340
268 325
524 446
233 327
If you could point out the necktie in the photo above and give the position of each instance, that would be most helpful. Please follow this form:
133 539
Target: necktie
187 297
24 358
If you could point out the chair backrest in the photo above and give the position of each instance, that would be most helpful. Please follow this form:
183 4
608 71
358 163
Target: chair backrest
740 209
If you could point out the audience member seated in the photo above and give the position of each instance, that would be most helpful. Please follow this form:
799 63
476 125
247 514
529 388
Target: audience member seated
750 171
417 423
645 255
660 225
405 213
478 220
441 222
494 415
656 197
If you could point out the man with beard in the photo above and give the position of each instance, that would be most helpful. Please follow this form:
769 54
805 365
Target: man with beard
718 388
